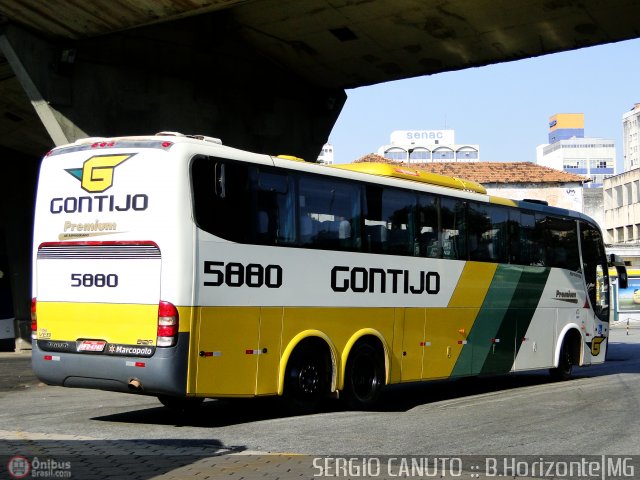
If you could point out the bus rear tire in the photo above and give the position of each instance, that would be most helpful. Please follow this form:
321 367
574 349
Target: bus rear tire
306 381
364 376
181 405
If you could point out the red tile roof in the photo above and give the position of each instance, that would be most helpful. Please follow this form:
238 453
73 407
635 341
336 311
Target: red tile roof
490 172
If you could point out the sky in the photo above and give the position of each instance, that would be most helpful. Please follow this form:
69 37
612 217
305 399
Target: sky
503 108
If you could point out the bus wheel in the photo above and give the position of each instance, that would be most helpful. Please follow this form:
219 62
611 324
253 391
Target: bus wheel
306 378
565 364
364 376
181 404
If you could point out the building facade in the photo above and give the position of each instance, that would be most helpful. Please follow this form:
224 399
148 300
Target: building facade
423 146
631 138
622 208
570 151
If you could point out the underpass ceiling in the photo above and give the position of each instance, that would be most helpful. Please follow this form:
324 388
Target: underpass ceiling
331 43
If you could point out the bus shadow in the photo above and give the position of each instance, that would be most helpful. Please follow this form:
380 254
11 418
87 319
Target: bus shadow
216 413
622 358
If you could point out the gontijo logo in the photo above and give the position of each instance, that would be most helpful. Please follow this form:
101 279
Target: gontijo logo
96 174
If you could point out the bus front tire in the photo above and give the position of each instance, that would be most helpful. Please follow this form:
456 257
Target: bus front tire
306 379
364 376
565 364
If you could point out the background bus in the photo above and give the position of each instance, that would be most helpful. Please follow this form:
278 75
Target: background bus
178 267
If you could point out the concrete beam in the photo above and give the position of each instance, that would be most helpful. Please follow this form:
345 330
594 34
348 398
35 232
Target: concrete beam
30 59
195 76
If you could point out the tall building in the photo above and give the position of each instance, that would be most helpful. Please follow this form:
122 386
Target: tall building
631 138
420 146
563 126
326 154
569 150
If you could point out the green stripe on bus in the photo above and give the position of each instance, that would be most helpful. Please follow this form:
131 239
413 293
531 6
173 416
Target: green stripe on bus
489 319
516 320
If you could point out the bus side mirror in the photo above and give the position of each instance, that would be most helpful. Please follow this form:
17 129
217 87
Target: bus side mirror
618 262
623 280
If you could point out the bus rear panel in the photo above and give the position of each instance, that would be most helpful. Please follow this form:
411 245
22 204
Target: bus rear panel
108 224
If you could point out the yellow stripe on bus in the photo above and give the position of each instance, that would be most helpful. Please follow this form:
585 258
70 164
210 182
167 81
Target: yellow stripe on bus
113 322
473 285
447 329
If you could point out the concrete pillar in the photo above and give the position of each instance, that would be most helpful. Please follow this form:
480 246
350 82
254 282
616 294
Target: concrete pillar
18 175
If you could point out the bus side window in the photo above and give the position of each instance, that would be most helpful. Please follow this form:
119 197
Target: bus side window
273 220
428 243
375 226
329 213
487 232
389 221
221 205
561 241
537 252
203 175
452 229
398 211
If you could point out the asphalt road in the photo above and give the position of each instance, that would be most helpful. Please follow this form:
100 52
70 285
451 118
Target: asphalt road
525 414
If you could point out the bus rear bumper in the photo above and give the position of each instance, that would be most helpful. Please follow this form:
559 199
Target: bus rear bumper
164 373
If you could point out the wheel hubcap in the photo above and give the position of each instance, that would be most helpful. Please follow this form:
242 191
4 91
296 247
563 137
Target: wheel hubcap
309 379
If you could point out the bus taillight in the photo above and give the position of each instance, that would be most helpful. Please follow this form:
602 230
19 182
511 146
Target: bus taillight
168 325
34 319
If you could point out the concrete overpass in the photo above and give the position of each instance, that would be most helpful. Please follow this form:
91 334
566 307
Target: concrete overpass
264 75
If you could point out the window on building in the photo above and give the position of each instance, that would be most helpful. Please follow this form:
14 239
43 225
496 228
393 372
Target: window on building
419 154
619 237
610 235
467 153
608 197
629 233
396 153
617 197
628 187
599 163
443 154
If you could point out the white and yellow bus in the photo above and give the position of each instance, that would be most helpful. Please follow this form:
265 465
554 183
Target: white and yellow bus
175 266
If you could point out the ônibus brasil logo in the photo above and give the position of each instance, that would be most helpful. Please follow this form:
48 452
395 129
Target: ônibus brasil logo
96 174
18 467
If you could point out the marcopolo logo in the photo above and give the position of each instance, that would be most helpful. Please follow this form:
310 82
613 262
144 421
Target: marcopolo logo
96 174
